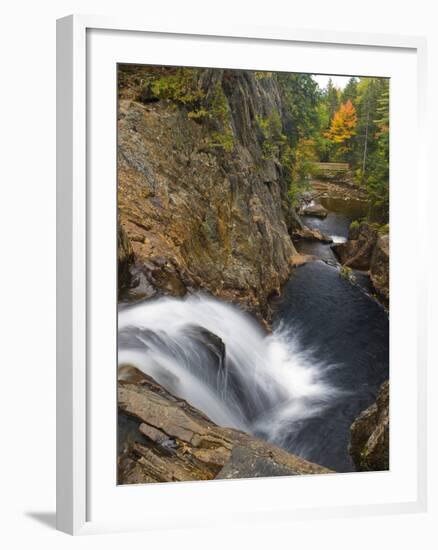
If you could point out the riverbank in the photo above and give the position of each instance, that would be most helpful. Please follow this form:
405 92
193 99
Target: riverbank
337 190
362 248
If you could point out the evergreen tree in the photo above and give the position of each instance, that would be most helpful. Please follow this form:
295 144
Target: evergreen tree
377 182
350 91
332 99
299 94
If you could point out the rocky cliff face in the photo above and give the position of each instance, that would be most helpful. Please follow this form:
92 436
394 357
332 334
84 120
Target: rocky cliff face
163 438
198 216
369 444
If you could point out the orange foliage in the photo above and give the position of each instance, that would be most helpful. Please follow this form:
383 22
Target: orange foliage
343 124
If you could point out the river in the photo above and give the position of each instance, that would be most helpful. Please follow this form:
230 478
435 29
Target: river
300 387
348 331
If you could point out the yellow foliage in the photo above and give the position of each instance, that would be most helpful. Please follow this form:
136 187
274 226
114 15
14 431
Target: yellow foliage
343 124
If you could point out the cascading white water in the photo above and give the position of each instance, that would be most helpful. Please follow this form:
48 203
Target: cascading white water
338 239
217 358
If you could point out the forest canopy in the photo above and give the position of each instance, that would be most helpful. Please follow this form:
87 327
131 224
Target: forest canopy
353 127
330 124
349 125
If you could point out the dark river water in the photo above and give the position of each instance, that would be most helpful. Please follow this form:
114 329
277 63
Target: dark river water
300 387
346 329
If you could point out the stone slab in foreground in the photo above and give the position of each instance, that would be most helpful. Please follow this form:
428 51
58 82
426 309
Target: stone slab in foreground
163 438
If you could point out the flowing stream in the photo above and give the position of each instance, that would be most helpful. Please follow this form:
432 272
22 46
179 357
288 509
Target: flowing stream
300 387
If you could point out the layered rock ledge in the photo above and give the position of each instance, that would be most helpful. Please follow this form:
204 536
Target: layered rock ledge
163 438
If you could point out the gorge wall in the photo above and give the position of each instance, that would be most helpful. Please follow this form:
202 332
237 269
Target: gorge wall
195 214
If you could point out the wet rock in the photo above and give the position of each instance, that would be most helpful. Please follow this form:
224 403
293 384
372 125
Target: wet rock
211 344
369 443
129 373
246 462
163 438
367 249
309 234
315 210
141 286
379 268
358 250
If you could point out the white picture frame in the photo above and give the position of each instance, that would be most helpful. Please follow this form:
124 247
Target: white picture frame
76 215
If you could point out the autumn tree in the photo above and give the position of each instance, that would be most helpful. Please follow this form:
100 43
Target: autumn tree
343 126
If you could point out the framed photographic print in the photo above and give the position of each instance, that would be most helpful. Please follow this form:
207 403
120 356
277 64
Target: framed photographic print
240 322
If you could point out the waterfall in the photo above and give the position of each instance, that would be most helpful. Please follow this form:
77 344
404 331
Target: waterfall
218 358
338 239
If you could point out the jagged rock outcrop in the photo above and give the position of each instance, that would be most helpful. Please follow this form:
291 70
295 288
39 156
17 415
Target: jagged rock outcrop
197 216
369 444
311 234
163 438
379 268
358 250
367 249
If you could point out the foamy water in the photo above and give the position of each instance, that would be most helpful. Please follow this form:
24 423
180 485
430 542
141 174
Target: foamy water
217 358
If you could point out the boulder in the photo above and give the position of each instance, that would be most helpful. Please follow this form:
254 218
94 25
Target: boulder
358 250
212 344
316 210
309 234
163 438
369 443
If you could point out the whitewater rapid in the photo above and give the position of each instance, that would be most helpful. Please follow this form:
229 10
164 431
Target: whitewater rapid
218 358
